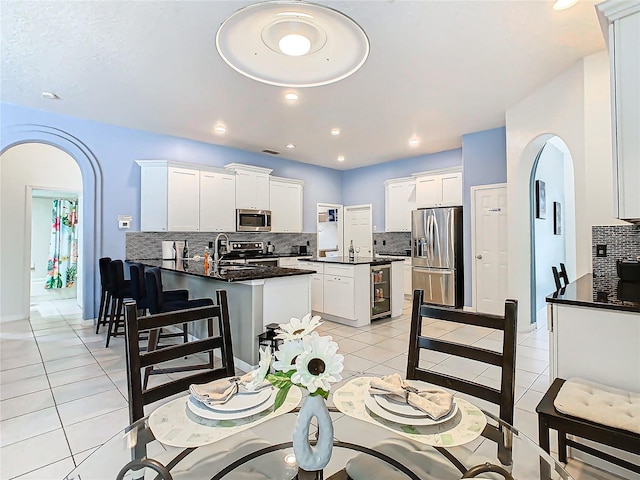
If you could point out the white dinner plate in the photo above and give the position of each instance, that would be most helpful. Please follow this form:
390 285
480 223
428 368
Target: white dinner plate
372 405
205 412
242 401
400 407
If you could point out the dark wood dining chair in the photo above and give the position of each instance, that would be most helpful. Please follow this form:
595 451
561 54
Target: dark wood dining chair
556 277
137 360
504 397
563 275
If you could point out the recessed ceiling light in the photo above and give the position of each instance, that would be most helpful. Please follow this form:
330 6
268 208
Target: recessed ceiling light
290 145
291 96
335 131
294 45
341 158
414 141
220 129
564 4
50 95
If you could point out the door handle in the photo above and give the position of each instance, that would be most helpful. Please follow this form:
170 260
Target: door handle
479 257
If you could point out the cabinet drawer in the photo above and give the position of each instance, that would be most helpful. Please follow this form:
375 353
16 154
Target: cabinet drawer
339 270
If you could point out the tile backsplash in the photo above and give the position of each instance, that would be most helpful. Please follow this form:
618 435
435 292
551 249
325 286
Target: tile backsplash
141 245
623 243
391 242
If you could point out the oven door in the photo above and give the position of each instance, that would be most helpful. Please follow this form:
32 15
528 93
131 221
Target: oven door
253 220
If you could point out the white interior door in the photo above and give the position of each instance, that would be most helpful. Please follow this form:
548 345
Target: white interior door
489 248
358 226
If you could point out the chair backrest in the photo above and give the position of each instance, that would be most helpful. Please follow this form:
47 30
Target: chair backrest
563 274
137 361
556 277
116 277
506 360
153 284
138 288
103 266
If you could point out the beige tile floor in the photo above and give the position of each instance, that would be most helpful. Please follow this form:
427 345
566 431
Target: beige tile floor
62 394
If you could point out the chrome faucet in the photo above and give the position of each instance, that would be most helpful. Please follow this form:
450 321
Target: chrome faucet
216 249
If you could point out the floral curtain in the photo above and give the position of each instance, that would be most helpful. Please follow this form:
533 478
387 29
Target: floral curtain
63 249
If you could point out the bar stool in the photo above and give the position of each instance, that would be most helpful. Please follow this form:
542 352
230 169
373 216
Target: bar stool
119 289
159 302
105 294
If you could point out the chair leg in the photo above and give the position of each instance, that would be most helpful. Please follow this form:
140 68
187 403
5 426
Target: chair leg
103 297
153 345
112 320
543 441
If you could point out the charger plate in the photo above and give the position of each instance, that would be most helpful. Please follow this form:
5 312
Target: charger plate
463 427
174 424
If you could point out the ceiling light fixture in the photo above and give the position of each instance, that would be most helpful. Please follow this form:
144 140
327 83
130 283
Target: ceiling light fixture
341 158
292 43
290 145
220 129
50 95
291 96
564 4
335 132
414 141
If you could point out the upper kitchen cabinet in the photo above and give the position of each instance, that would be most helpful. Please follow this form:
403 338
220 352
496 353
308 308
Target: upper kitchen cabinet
438 188
621 25
217 205
181 197
286 205
399 200
252 186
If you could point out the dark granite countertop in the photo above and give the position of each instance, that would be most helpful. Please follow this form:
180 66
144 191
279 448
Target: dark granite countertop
271 255
226 272
600 292
357 261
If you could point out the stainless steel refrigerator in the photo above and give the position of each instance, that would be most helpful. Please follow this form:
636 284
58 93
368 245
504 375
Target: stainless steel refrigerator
436 255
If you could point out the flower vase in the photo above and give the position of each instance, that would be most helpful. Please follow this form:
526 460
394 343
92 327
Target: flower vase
313 458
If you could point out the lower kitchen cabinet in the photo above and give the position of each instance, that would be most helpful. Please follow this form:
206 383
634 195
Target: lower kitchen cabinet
407 277
317 292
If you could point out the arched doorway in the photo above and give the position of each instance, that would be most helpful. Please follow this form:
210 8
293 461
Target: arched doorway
552 220
14 258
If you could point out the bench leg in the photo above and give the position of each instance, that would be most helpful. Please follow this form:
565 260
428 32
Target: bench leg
562 446
543 440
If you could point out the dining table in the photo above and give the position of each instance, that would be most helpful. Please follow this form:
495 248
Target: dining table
178 441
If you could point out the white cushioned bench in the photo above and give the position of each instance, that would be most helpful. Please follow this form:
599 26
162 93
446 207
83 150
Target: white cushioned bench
592 411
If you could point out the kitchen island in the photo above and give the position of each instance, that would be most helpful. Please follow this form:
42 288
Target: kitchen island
257 295
594 326
355 292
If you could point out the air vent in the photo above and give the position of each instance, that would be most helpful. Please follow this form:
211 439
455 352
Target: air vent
271 152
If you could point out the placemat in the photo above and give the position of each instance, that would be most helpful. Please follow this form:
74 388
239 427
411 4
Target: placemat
175 425
464 427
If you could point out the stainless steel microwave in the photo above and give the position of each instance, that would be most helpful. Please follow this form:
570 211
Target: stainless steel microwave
253 220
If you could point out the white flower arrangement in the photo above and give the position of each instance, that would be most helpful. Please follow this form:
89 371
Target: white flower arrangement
305 359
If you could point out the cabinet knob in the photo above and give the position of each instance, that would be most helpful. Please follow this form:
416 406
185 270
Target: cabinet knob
479 257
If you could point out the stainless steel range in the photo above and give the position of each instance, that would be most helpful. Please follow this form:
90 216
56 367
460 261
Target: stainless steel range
249 252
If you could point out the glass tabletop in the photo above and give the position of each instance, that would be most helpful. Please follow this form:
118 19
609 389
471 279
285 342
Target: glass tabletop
362 450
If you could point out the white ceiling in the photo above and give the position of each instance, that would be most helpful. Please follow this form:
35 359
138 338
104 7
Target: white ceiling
437 69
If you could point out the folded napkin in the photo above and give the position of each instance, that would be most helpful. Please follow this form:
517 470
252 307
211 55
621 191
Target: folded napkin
221 391
434 402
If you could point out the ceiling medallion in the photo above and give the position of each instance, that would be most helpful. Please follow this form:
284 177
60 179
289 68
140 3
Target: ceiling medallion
290 43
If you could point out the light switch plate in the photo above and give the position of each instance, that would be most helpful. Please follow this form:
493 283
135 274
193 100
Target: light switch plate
124 221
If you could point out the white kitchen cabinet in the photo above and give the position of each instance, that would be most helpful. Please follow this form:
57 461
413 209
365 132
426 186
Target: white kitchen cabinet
407 277
623 34
438 189
339 298
400 200
252 186
217 202
180 197
317 292
286 205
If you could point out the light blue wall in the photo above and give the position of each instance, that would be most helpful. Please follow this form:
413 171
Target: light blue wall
366 184
484 162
